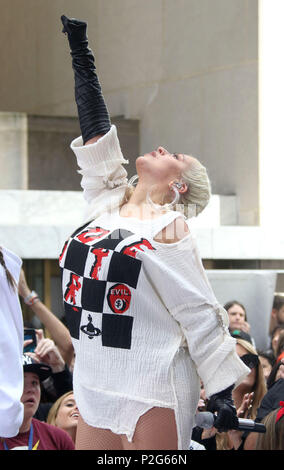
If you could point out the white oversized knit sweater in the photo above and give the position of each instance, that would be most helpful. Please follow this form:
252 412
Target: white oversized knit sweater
144 321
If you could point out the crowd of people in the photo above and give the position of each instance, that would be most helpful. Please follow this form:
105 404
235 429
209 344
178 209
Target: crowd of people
42 408
145 330
50 412
260 396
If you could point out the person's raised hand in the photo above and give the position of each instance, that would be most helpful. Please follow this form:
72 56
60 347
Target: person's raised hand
47 352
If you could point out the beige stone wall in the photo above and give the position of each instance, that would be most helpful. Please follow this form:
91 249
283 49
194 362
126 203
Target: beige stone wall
52 164
186 69
13 151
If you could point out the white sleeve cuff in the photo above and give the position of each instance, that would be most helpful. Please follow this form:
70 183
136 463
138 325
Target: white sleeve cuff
222 368
104 152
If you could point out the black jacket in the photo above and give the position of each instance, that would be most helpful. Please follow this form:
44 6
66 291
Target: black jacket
271 399
62 382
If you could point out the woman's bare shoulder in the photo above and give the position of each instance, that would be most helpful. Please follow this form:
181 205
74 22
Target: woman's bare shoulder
174 232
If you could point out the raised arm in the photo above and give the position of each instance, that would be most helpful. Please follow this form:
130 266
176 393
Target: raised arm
97 150
92 111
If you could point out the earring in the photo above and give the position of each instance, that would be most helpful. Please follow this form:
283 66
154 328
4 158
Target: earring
176 198
132 180
168 206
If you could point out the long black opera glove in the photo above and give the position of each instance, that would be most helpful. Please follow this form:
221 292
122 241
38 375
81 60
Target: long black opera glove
92 111
222 402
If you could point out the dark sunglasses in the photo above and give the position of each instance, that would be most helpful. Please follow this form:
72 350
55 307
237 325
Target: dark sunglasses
250 360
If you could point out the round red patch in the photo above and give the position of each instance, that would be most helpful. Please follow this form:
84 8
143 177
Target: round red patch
119 297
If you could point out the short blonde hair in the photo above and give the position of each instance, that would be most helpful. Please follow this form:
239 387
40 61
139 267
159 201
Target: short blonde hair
198 194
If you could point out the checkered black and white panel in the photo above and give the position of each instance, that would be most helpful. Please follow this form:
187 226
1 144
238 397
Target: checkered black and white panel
100 273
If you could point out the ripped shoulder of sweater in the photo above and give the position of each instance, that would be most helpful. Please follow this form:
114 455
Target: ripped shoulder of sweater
176 231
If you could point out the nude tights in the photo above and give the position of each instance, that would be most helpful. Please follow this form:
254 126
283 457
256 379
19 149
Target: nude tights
155 430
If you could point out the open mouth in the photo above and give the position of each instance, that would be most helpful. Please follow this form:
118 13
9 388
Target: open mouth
75 415
30 401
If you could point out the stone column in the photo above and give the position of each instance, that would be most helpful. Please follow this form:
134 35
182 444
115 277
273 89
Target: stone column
13 151
271 106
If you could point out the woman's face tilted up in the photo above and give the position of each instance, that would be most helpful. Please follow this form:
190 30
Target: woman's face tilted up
160 168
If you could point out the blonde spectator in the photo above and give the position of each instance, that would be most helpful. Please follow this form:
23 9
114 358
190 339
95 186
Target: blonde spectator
64 414
247 398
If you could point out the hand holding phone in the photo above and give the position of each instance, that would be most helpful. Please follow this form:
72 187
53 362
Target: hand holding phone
29 335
